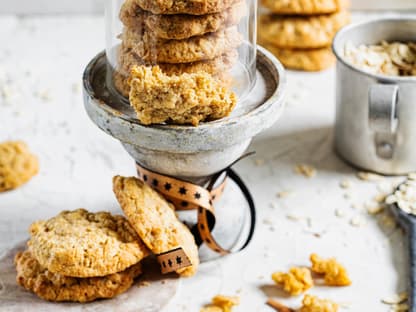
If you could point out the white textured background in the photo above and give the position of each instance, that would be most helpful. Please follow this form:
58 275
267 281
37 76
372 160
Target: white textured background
96 6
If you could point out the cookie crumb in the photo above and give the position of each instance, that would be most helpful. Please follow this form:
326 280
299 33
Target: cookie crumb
305 170
296 281
221 303
334 273
314 304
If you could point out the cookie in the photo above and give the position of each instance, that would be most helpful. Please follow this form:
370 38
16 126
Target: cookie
301 32
308 60
155 220
83 244
198 48
305 7
127 59
56 287
193 7
121 84
178 99
180 26
17 165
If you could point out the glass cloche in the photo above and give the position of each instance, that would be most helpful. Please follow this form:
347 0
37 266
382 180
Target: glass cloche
182 36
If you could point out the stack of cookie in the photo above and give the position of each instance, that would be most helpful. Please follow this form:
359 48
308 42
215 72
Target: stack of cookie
82 256
180 36
300 32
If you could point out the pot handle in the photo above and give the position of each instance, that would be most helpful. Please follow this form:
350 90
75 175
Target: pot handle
383 117
383 107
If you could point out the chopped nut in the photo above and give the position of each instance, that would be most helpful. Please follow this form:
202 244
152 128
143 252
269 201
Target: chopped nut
335 274
305 170
295 282
315 304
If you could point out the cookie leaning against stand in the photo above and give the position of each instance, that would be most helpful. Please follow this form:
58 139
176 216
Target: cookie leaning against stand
155 220
83 244
180 26
305 7
301 32
17 165
56 287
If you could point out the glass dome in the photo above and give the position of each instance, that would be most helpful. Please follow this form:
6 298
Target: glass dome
182 36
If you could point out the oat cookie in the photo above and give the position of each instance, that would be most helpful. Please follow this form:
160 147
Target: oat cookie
305 7
17 165
127 59
121 84
180 26
193 7
155 220
83 244
198 48
301 32
55 287
179 99
302 59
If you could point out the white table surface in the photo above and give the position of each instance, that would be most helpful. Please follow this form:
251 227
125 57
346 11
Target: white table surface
41 63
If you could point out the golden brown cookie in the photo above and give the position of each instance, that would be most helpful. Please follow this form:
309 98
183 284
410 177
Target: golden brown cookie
301 32
121 84
127 59
17 165
178 99
155 220
305 7
198 48
307 60
56 287
193 7
180 26
83 244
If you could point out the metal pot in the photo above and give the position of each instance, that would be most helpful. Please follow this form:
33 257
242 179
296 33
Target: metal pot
376 114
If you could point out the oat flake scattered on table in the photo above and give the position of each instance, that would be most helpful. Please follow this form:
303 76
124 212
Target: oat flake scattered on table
405 196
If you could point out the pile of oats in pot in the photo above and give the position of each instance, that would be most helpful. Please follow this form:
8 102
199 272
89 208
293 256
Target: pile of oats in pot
392 59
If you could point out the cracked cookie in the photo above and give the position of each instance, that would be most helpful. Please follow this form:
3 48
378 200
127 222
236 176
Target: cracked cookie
83 244
155 220
183 99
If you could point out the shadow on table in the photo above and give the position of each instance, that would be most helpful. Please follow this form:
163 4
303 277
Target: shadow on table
310 146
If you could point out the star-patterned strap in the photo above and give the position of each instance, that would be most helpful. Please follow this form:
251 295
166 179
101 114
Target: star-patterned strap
188 196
